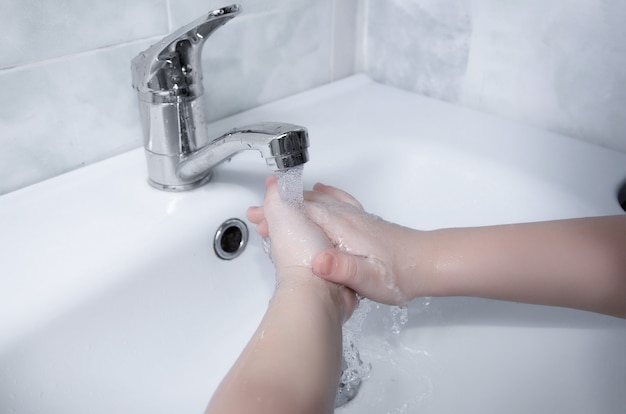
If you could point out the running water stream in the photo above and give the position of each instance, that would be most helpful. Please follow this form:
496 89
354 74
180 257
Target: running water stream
290 186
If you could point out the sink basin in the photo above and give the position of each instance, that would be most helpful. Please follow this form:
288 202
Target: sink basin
112 299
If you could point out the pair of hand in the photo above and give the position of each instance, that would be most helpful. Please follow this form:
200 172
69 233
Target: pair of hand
336 239
576 263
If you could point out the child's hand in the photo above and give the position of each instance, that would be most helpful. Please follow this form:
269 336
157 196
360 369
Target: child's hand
370 255
295 241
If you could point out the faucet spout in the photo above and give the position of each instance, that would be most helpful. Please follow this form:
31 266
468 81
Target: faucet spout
168 79
282 145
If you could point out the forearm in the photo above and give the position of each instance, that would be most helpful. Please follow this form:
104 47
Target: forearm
292 363
579 263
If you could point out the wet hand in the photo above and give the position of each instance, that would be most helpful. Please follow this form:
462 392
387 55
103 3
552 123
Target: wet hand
370 255
295 241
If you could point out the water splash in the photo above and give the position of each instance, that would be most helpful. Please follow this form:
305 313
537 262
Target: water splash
355 370
399 317
402 410
267 246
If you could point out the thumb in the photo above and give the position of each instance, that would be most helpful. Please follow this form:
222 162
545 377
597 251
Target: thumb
365 276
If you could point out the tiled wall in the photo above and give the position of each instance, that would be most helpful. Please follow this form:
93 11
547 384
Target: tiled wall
65 65
65 70
560 65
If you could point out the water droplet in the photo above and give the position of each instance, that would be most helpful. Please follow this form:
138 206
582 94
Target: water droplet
267 246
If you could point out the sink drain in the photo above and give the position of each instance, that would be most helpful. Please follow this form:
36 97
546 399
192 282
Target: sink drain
230 239
621 196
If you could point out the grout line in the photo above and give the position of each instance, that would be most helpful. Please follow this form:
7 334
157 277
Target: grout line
333 39
168 11
361 65
57 59
70 56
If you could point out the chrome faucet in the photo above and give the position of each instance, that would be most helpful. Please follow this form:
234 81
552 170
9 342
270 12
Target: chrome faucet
168 80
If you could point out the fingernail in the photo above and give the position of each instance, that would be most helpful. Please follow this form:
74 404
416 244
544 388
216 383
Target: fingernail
328 264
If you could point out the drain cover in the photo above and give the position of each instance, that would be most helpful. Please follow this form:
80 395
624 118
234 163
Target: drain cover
230 239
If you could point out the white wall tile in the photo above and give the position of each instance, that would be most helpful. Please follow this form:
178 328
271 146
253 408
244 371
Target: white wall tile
559 65
66 114
35 30
419 45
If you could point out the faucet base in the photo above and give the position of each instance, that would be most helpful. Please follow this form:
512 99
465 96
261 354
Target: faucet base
182 187
162 173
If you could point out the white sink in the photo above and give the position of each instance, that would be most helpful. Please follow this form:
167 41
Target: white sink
112 299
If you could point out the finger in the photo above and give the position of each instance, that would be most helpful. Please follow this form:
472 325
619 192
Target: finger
271 189
348 300
255 214
339 267
364 276
271 180
263 229
318 197
337 194
323 198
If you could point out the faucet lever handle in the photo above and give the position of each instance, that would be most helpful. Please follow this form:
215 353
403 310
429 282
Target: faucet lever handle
172 68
